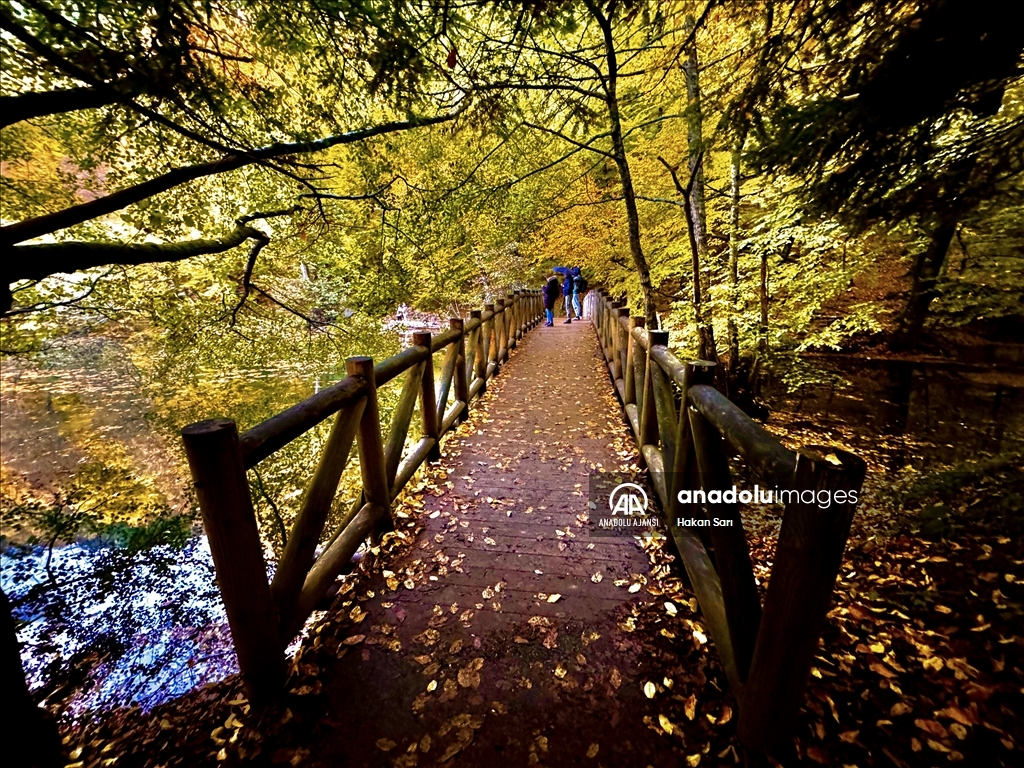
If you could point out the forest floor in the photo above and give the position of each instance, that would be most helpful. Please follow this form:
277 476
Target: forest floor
493 630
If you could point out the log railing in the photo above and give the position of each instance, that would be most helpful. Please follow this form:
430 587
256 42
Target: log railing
264 617
684 427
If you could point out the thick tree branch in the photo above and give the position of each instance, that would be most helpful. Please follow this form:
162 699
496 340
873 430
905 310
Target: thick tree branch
77 214
25 106
33 262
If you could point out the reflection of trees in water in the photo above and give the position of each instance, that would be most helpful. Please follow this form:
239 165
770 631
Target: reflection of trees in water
130 614
119 625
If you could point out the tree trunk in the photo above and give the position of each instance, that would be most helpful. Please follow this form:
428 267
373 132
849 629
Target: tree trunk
622 163
926 272
762 331
735 169
34 740
695 201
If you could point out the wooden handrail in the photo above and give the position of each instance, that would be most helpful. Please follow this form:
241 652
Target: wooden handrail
766 653
264 617
277 431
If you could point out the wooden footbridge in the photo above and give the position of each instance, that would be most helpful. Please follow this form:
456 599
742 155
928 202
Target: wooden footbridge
505 553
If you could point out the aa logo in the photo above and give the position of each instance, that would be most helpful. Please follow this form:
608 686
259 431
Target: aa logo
628 499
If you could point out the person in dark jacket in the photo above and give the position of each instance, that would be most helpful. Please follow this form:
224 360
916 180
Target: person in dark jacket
552 290
572 299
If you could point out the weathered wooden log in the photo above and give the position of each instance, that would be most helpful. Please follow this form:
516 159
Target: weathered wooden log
218 471
807 560
451 359
428 403
277 431
614 342
763 453
461 378
500 338
634 421
412 461
622 339
400 420
656 472
472 337
300 550
706 585
391 368
648 414
443 340
629 374
371 448
641 335
482 345
732 557
490 341
640 377
452 415
664 399
332 562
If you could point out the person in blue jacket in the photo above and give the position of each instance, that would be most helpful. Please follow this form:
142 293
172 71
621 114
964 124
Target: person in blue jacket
570 277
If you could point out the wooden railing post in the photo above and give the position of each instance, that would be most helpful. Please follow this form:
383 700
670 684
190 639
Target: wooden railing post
300 551
489 348
648 415
517 316
461 379
732 557
473 347
501 346
807 560
428 402
371 447
629 375
622 334
215 461
616 340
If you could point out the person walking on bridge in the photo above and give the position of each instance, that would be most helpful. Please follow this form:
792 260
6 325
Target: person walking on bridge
572 299
552 290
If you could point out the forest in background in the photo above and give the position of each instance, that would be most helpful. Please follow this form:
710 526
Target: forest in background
207 206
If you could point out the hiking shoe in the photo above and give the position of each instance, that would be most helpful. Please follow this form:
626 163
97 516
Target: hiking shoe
548 325
567 320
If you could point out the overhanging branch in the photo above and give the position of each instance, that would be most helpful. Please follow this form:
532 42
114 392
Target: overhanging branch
77 214
25 106
34 262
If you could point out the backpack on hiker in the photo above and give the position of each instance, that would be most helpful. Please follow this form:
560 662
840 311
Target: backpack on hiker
580 285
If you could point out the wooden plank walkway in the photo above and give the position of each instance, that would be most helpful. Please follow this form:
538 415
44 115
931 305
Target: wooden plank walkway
467 658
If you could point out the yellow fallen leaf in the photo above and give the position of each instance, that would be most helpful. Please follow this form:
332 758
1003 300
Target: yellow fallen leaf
592 750
666 724
690 707
554 598
650 689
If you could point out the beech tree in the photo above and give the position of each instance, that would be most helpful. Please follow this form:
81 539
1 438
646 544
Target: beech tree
137 102
905 122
